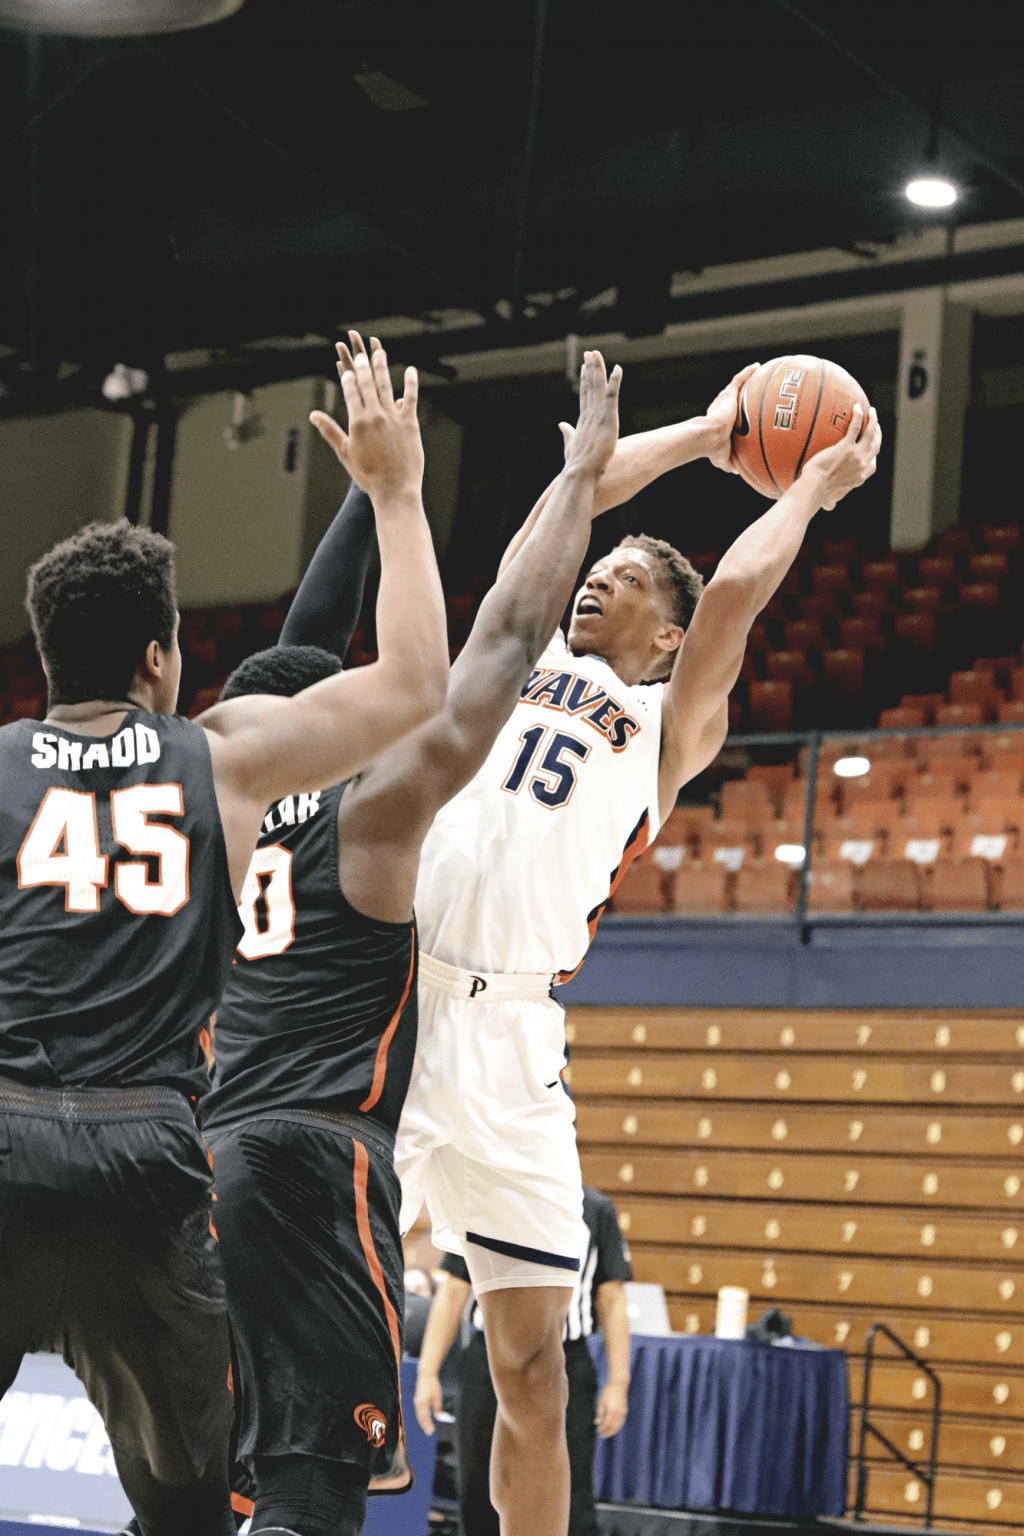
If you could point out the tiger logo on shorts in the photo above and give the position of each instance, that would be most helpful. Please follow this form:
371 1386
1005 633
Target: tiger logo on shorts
372 1421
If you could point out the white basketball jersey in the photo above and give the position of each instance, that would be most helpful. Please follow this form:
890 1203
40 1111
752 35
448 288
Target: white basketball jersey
518 867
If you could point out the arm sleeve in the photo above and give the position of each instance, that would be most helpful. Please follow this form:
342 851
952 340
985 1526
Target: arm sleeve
612 1260
326 607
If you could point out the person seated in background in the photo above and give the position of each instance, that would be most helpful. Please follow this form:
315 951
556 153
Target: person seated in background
599 1295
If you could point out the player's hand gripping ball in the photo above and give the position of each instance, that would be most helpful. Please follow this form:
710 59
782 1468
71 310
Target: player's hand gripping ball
788 411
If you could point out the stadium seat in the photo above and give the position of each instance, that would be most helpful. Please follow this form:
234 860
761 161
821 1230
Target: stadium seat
936 570
700 887
777 775
953 745
991 566
870 604
793 804
1011 713
862 633
747 798
944 777
642 889
998 667
804 635
765 885
816 607
728 842
978 834
973 687
885 780
839 551
757 639
1017 684
982 596
926 831
889 885
1001 782
955 540
854 839
1006 810
830 578
915 632
1002 540
929 702
830 886
881 575
901 717
956 885
789 667
924 599
783 833
844 672
959 714
1008 884
674 831
771 706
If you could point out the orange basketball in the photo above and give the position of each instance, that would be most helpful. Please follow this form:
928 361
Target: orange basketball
789 410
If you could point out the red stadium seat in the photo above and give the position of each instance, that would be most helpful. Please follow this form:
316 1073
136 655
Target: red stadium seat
926 831
642 889
855 839
830 886
982 596
1011 713
889 885
844 671
804 635
901 717
923 599
955 540
1005 810
784 833
771 706
959 714
1008 884
777 775
747 798
944 778
839 551
700 887
929 702
975 688
816 607
765 885
862 633
916 631
1002 540
998 782
935 570
991 566
956 885
885 780
998 667
757 638
789 667
881 575
982 835
1017 684
728 842
830 578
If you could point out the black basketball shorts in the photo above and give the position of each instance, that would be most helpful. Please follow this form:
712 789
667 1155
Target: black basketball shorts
307 1215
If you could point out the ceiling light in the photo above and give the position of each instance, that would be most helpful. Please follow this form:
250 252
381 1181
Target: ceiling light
113 18
931 192
851 767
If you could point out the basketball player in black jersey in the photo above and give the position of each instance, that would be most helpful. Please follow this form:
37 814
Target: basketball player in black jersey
316 1033
125 836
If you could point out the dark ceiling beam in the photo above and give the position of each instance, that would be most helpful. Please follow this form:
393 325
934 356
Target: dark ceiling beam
424 348
329 193
540 26
886 84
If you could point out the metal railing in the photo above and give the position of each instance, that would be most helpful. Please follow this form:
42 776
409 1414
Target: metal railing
867 1428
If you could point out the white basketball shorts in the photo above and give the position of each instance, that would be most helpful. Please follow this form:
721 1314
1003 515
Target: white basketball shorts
488 1139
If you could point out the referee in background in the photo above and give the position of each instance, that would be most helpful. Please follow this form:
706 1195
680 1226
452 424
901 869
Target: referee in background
598 1297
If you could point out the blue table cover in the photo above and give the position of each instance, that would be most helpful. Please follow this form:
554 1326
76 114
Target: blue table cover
728 1424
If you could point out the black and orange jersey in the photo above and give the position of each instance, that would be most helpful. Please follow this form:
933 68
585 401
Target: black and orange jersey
117 921
319 1011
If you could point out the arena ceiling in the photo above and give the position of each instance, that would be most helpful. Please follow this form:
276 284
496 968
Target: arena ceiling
303 163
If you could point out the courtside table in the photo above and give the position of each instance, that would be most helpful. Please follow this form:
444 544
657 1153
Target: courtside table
728 1424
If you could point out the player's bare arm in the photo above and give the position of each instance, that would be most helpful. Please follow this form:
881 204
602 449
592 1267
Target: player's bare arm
644 457
695 709
438 1337
384 818
264 748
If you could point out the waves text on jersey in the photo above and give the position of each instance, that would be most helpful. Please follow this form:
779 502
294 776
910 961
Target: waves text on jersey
138 744
574 695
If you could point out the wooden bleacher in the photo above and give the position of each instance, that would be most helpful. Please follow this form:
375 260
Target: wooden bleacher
849 1168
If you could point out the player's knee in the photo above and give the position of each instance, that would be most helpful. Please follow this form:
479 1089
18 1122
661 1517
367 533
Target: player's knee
532 1386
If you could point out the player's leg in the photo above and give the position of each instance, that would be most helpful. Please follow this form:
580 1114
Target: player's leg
529 1457
308 1221
33 1255
478 1407
145 1327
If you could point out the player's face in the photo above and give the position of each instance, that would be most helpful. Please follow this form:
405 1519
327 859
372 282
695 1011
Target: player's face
619 604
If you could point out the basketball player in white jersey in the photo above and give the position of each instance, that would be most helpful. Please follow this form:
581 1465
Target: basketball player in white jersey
514 874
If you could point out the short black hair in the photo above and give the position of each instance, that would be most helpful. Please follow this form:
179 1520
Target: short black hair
95 602
676 576
283 669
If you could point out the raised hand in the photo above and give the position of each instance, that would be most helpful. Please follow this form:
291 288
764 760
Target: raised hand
847 463
590 444
382 449
721 417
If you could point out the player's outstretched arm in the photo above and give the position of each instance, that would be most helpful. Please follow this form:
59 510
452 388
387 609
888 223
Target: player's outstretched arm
325 609
645 456
695 708
264 748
